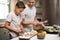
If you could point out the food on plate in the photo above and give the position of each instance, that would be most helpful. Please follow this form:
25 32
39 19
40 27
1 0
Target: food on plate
37 27
42 33
28 34
51 29
20 34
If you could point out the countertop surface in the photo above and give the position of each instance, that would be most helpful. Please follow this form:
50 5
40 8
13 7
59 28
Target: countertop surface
52 37
47 37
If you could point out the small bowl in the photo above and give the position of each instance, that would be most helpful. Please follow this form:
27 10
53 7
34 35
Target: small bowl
40 37
23 39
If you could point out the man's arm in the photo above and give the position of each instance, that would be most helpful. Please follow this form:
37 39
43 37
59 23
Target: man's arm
30 22
35 19
37 22
26 23
7 25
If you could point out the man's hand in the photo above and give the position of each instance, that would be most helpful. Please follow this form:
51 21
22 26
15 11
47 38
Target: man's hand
35 23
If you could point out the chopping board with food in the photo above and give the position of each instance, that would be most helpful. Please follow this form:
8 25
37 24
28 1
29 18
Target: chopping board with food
27 35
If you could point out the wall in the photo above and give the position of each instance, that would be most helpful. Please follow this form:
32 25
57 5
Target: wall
58 12
50 12
12 4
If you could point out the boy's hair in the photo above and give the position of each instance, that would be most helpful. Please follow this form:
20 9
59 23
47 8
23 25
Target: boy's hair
20 4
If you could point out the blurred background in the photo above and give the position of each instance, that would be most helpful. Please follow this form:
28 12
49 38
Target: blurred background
46 9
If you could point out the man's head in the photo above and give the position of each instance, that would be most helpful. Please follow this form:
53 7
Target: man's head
31 3
19 7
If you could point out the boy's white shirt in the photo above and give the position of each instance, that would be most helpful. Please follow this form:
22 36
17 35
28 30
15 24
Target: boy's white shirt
15 22
29 14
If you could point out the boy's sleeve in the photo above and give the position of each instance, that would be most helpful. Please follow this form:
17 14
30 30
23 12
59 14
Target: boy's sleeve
24 14
9 17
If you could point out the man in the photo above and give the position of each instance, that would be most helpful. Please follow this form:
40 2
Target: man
29 15
14 19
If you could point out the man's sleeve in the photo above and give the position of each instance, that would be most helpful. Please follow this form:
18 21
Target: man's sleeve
35 12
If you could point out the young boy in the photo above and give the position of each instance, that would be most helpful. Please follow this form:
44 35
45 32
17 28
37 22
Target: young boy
14 19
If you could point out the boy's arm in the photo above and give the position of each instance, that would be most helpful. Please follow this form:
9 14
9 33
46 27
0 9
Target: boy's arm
7 25
22 28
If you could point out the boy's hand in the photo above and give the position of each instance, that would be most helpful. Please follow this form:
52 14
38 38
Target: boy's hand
23 31
17 31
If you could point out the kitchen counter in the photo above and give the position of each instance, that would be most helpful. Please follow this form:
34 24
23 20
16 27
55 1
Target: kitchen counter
47 37
52 37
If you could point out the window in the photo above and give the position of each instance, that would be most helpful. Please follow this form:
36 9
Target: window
4 8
